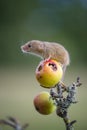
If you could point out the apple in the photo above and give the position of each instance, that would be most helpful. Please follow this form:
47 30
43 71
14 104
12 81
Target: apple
49 73
44 103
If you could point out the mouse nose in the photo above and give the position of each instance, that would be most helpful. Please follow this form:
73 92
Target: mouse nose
24 48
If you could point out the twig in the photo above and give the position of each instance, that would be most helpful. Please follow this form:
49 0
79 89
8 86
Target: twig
14 123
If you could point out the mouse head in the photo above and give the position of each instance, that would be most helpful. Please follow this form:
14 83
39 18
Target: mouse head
34 46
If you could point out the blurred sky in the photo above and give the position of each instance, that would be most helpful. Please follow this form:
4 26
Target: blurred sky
63 21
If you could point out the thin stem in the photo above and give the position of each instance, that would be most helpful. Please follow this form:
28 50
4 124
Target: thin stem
68 124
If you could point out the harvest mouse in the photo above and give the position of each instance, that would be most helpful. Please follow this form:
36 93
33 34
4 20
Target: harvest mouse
48 50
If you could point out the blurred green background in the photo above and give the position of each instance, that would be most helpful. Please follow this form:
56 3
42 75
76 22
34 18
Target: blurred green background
63 21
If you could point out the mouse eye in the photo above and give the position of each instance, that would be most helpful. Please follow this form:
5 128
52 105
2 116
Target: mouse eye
29 45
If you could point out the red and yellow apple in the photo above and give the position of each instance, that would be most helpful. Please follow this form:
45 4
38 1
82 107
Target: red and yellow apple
44 104
49 73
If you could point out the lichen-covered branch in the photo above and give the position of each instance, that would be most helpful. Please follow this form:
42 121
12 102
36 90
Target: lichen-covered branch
63 103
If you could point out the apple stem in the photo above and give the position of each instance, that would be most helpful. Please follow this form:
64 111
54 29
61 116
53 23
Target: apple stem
63 103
